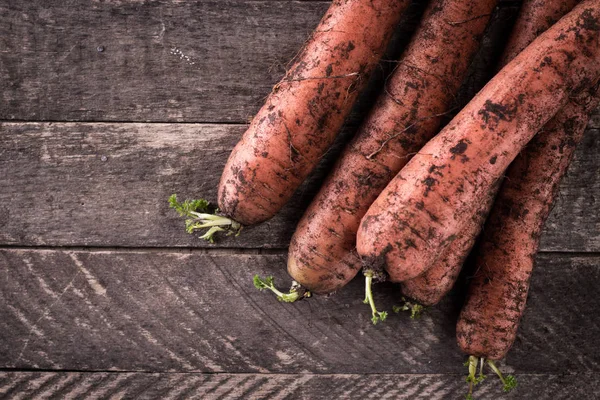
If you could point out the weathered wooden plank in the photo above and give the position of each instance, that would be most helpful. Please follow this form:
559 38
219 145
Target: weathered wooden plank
103 385
167 60
185 311
158 61
84 184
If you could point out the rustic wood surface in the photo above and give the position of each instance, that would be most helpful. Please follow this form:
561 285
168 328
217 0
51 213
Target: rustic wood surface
107 108
179 310
168 386
107 184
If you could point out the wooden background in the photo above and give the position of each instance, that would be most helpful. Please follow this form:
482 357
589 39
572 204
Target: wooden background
108 107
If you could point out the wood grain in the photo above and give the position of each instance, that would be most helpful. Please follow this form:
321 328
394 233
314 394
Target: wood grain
166 60
184 311
159 61
163 61
105 184
168 386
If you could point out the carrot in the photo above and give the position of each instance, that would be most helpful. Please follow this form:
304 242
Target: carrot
306 109
322 253
432 199
535 17
489 320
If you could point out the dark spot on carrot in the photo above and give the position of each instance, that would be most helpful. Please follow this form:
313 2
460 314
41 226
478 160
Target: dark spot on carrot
588 21
460 148
420 205
493 160
546 61
432 216
431 232
410 243
320 88
322 121
413 85
429 183
367 221
329 70
436 169
497 112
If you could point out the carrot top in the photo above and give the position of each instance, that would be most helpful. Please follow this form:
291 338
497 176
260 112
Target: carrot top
473 379
297 292
376 315
200 215
415 309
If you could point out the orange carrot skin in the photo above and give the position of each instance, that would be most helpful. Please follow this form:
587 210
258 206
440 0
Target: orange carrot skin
306 109
322 253
431 200
430 287
535 17
487 326
481 330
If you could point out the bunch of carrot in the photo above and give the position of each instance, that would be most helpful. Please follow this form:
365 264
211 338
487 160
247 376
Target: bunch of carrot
406 201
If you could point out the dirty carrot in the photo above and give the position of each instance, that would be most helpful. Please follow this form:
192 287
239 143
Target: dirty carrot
420 91
488 323
306 109
489 320
536 16
433 198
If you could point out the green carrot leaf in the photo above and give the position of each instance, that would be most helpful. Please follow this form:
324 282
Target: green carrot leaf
510 383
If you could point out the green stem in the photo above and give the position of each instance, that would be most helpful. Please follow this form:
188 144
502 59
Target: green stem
209 234
200 215
473 380
297 292
285 297
416 309
509 382
481 364
376 315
